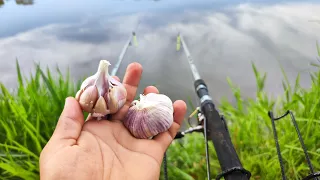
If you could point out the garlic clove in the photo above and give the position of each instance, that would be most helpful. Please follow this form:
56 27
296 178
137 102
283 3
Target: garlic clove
88 98
88 81
107 96
78 94
149 116
100 108
114 81
118 97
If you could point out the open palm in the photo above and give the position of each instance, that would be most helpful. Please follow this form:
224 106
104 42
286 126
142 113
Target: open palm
105 149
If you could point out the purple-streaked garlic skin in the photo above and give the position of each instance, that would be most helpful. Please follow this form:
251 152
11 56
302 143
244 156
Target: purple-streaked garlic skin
100 94
151 115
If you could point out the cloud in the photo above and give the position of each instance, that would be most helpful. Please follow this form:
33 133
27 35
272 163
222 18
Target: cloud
223 43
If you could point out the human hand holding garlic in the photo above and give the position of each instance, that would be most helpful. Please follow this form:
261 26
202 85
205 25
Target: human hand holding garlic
106 149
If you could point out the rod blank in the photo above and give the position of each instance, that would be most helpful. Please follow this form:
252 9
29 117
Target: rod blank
123 52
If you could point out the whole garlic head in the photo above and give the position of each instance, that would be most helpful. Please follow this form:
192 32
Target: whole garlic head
100 94
149 116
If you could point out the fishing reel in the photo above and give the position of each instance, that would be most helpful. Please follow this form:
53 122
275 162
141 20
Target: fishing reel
200 126
191 129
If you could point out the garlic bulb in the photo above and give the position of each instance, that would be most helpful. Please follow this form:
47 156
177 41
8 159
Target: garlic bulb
149 116
100 94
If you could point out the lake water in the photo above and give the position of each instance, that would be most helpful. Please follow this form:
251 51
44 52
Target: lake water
223 36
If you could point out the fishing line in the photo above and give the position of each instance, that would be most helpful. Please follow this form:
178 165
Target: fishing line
124 50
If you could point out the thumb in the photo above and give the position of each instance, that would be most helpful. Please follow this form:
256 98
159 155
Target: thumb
70 122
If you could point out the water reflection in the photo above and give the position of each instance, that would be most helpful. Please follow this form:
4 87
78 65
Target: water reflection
222 42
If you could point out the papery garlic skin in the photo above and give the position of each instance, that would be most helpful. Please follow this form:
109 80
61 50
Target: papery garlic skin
149 116
100 94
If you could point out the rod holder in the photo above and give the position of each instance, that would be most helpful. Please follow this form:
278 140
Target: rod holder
273 119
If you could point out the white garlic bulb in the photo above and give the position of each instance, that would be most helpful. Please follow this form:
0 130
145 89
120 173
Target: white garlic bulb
149 116
100 94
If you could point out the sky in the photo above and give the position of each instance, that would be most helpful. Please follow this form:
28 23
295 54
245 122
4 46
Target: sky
223 40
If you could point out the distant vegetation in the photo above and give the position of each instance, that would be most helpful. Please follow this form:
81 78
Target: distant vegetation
18 2
24 2
31 2
29 115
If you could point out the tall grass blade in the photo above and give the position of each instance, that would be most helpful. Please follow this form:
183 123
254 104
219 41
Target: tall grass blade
50 86
20 79
318 48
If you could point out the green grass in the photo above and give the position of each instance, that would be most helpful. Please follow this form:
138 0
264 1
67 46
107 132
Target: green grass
251 132
28 118
29 115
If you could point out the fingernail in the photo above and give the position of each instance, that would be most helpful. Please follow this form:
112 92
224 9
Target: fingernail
66 102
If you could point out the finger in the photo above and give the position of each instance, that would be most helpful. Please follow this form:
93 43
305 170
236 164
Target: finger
165 138
150 89
70 122
131 82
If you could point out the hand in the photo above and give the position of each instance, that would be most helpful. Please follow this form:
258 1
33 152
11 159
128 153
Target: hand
105 150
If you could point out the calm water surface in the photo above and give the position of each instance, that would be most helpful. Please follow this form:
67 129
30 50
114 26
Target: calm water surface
224 37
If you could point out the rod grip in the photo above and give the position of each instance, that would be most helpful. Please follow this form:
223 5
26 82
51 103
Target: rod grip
218 134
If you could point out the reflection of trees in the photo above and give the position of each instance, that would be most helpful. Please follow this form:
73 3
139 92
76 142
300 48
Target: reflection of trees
30 2
24 2
18 2
1 3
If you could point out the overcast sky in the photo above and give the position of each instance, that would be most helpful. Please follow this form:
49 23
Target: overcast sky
223 42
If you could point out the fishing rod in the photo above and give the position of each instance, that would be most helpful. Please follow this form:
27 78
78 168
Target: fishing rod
213 126
124 50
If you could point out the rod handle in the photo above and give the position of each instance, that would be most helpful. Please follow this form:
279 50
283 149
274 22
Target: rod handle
219 135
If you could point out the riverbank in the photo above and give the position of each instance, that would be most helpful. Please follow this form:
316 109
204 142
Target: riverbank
28 117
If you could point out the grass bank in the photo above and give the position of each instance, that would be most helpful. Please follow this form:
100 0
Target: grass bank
251 132
29 115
